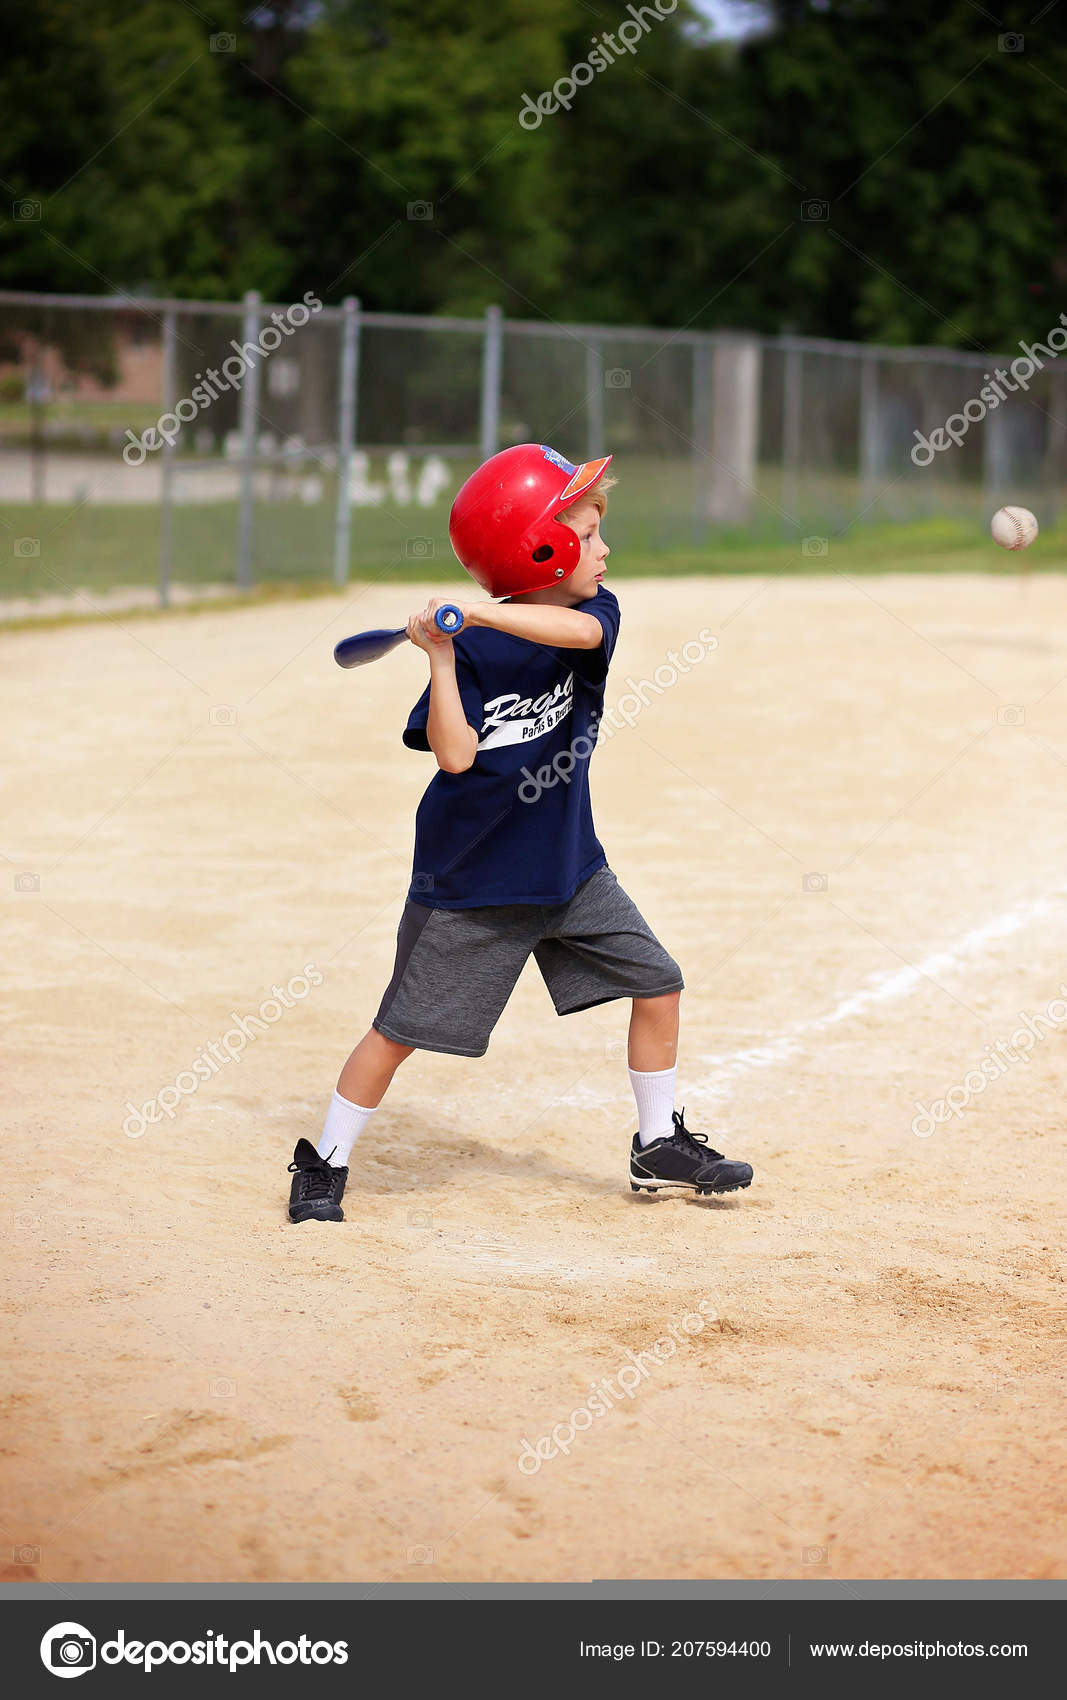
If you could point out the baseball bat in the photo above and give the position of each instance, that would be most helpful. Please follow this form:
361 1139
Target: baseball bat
370 646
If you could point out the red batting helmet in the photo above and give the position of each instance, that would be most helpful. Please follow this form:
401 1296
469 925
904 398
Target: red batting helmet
502 525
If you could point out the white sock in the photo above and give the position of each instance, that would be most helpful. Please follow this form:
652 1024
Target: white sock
344 1124
655 1102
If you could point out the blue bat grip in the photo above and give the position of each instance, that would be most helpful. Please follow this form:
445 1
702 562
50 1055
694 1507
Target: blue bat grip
449 619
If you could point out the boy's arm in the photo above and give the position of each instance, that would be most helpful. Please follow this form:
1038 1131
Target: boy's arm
449 733
540 622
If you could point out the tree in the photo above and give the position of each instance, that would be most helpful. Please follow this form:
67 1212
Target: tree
124 167
872 169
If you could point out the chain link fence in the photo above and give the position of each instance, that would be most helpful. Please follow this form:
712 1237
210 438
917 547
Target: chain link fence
161 441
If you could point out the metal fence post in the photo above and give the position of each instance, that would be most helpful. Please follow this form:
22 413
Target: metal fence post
996 457
38 392
166 475
249 400
594 398
792 405
346 437
870 435
1055 437
736 372
700 433
491 367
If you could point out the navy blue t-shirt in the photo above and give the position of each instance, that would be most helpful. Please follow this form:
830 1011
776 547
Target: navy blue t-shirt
517 826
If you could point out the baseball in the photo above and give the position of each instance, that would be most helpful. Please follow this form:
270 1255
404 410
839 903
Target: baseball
1014 528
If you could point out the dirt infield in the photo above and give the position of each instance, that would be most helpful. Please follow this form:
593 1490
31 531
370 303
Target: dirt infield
847 824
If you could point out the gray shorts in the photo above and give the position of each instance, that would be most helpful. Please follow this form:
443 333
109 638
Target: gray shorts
456 968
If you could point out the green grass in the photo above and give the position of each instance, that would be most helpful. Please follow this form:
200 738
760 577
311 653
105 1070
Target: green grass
68 418
100 547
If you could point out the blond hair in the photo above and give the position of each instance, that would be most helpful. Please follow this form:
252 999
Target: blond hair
597 496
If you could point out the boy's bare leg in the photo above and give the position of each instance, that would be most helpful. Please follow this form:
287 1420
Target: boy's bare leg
653 1044
361 1087
320 1174
665 1155
653 1057
369 1070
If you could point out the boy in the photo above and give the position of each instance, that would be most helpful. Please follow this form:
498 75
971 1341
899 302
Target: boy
511 708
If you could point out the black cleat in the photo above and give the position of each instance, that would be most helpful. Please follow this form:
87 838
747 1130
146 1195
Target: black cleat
684 1159
317 1189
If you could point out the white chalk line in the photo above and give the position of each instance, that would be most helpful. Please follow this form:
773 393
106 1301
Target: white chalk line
880 989
726 1068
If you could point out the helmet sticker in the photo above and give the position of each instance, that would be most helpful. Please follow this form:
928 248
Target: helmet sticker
557 459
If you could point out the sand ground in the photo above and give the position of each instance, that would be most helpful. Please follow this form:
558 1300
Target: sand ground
119 599
847 823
